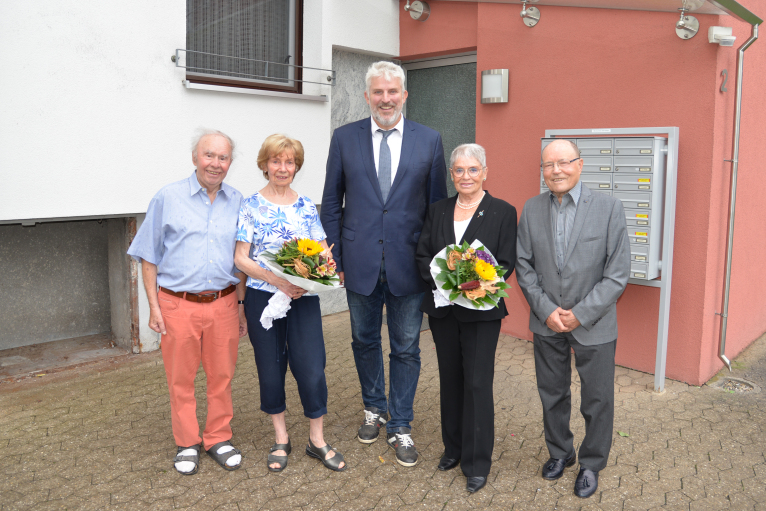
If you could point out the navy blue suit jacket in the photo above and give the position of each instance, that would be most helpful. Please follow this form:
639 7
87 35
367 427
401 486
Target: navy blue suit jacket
367 226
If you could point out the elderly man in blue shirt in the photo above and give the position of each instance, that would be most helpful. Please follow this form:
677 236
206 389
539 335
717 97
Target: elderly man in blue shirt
186 249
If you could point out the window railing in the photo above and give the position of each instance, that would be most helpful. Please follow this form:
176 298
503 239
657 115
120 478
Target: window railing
202 65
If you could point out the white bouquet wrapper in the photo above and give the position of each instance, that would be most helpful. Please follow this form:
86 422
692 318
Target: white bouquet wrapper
279 304
460 300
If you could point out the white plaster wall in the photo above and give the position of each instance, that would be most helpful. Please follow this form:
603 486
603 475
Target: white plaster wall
95 116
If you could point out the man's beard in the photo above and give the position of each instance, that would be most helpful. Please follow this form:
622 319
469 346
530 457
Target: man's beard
388 123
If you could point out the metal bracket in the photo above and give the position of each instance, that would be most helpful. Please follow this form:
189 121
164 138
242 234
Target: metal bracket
530 15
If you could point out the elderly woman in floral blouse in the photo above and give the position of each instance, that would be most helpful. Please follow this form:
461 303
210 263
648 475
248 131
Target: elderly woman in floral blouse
267 219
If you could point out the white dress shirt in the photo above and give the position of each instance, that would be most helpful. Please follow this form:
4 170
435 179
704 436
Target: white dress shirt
394 144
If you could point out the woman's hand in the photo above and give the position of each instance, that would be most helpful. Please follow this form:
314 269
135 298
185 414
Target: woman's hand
283 285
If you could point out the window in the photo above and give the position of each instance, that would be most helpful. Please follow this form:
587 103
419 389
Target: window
246 43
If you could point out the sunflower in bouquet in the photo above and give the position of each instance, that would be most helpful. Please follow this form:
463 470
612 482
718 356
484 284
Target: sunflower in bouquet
472 273
304 257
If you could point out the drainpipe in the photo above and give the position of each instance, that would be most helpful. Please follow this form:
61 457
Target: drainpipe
733 197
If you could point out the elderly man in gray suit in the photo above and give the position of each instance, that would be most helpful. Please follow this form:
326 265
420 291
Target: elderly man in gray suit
573 262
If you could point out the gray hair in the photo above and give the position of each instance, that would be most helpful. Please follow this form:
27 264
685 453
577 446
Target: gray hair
474 151
387 70
204 132
574 146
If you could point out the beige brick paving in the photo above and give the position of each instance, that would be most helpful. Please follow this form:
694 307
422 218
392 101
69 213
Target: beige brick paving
100 438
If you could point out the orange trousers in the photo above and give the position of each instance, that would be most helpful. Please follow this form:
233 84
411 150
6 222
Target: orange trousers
207 333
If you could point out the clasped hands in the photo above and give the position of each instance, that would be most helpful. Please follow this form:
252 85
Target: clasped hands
561 321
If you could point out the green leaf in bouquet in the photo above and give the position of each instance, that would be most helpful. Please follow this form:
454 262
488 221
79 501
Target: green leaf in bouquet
452 279
309 262
290 271
500 273
502 285
442 264
442 277
465 246
447 286
453 296
501 294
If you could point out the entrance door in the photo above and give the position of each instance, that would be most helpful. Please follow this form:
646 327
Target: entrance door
442 96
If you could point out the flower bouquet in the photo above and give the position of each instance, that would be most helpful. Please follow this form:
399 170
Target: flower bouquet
469 276
304 263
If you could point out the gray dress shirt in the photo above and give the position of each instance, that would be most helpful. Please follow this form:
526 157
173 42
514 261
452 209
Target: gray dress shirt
562 220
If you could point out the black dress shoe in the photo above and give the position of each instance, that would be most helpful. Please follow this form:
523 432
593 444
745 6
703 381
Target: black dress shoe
554 468
586 483
475 483
447 463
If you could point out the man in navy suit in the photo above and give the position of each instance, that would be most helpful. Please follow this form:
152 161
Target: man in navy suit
388 170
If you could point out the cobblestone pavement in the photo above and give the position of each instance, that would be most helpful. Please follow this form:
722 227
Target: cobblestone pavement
100 438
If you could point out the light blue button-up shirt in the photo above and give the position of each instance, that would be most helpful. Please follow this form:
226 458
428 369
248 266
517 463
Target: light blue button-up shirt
562 218
189 239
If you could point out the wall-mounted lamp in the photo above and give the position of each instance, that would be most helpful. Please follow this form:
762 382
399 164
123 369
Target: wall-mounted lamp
530 15
494 86
419 10
721 35
688 26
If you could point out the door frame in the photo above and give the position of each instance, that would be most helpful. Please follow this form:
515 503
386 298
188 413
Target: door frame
441 61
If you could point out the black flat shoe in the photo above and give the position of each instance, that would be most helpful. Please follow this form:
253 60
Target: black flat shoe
586 483
475 483
554 468
447 463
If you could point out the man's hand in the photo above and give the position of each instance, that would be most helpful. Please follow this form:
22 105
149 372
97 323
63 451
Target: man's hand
294 292
342 277
156 322
242 322
569 320
554 321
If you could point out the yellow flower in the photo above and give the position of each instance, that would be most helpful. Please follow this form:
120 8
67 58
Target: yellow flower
309 247
485 270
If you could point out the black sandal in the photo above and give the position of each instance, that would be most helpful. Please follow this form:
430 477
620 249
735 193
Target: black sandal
282 460
320 453
221 458
194 458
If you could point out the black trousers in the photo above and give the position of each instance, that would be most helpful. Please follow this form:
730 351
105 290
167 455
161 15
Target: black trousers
466 355
595 365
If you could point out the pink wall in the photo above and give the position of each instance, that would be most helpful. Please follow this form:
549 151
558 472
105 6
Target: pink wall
601 68
447 30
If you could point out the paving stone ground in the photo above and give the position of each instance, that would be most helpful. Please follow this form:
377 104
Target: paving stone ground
100 438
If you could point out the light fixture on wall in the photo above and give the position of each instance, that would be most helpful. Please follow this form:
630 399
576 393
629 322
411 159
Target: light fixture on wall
494 86
721 35
530 15
688 26
419 10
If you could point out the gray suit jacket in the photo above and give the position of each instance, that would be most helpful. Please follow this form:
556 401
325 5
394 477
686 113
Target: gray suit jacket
596 265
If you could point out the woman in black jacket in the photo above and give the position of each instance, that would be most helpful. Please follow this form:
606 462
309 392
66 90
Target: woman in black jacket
466 339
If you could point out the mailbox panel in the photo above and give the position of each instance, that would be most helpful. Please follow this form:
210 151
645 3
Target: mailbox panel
638 218
639 236
634 146
595 146
597 164
597 182
633 164
633 182
639 253
635 200
639 270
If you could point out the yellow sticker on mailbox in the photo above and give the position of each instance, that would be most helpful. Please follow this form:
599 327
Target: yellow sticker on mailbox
641 234
641 215
644 180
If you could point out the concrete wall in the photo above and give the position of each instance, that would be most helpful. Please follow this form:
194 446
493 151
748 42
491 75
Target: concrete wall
123 288
53 283
603 68
97 87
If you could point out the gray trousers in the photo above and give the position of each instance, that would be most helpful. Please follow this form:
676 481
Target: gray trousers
595 365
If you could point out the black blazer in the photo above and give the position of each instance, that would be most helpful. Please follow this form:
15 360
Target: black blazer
494 223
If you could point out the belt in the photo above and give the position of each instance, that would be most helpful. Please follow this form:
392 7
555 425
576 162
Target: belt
201 297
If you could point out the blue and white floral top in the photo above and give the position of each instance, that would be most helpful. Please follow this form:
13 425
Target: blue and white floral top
267 226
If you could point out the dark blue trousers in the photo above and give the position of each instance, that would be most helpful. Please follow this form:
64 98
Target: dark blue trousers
296 340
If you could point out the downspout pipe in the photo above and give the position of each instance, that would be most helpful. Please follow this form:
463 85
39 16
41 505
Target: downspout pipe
733 196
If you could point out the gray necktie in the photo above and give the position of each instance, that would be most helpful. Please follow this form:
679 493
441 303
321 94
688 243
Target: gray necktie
384 165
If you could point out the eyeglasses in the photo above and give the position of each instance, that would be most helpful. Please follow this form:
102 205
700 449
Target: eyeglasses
472 171
562 164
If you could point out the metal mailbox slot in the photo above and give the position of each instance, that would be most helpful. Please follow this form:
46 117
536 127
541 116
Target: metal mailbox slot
633 146
597 182
633 182
639 270
638 236
635 200
595 146
639 253
596 164
634 164
638 218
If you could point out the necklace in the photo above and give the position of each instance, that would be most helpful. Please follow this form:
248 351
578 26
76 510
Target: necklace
471 205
